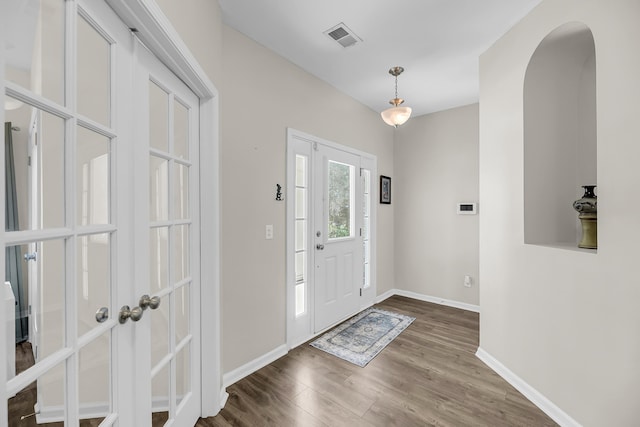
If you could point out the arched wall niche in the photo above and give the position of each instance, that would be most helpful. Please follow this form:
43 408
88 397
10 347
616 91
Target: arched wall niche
560 143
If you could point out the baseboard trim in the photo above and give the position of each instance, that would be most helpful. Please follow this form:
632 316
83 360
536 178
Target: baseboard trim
537 398
252 366
223 397
428 298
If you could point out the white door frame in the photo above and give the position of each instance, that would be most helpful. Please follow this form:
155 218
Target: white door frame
154 29
301 328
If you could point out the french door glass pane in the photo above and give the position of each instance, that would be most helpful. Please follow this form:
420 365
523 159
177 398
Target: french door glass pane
93 278
37 160
340 196
158 189
180 252
94 381
94 77
92 183
158 118
182 313
160 401
160 332
183 373
180 191
35 55
180 131
48 288
159 258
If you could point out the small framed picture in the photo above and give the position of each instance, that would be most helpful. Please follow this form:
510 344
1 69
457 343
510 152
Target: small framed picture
385 190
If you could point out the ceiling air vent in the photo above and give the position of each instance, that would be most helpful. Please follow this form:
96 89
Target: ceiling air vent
343 35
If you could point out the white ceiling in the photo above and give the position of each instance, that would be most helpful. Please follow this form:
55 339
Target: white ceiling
436 41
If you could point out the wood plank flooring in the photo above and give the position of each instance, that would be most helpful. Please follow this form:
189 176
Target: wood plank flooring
428 376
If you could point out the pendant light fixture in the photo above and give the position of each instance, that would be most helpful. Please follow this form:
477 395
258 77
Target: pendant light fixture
396 115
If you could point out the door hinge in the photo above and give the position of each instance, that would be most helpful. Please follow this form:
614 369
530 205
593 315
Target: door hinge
29 161
360 291
361 232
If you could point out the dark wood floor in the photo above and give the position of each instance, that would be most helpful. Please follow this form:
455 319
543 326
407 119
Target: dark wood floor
428 376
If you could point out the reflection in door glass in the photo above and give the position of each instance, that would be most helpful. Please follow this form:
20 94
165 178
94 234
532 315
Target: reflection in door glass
340 197
35 54
94 382
183 373
42 401
92 179
93 278
94 78
34 161
160 397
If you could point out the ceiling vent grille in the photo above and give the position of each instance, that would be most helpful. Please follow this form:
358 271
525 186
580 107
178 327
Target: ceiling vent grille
343 35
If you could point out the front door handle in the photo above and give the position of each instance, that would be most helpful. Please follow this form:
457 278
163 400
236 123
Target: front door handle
320 246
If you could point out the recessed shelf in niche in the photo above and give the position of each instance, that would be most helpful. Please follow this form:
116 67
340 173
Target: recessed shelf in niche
560 142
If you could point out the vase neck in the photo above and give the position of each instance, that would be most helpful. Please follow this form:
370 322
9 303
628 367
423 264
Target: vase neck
589 191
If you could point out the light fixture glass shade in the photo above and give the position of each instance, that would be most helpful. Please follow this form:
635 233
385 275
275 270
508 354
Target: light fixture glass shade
396 116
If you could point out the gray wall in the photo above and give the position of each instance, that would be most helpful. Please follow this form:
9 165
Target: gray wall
436 167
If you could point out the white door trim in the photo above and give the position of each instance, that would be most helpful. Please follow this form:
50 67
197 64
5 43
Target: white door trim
299 330
157 33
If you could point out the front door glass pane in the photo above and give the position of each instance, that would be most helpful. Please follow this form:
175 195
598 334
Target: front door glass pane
340 189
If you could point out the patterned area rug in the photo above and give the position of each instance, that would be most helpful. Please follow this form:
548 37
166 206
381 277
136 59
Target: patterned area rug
361 338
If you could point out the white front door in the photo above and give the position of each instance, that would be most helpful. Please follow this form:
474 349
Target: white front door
338 243
113 217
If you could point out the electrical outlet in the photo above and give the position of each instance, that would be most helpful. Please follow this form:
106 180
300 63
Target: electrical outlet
268 232
467 281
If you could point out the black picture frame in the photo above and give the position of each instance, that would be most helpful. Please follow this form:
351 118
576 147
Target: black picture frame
385 190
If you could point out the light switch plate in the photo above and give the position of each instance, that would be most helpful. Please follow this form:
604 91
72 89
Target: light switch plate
268 232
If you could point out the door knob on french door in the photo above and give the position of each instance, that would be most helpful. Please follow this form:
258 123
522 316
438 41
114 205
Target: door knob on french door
319 246
149 302
127 313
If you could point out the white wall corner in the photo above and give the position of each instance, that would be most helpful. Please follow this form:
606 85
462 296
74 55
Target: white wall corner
249 368
537 398
385 295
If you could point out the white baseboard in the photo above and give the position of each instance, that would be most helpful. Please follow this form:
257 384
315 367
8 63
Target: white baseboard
250 367
428 298
545 405
223 397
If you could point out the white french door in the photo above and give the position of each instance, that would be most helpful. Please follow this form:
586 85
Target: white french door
330 234
168 231
337 235
103 250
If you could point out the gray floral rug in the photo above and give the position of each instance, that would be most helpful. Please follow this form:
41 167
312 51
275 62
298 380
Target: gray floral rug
361 338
